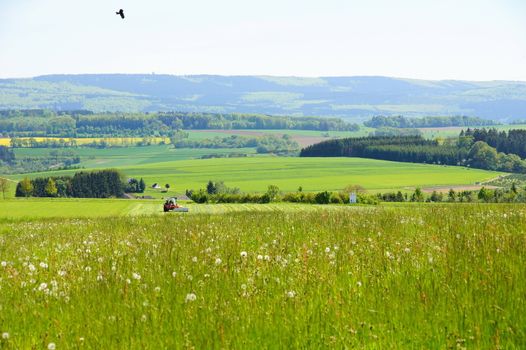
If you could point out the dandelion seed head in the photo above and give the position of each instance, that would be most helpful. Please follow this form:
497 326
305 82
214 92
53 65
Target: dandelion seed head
190 297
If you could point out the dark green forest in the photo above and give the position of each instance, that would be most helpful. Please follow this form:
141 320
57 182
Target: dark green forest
464 151
96 184
513 141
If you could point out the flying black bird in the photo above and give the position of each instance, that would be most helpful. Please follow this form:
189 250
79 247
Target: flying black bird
121 13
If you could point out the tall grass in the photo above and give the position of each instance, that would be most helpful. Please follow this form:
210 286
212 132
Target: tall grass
437 276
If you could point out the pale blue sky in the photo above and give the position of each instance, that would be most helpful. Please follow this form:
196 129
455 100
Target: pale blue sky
431 39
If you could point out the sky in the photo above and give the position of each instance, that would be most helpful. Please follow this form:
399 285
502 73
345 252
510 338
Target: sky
421 39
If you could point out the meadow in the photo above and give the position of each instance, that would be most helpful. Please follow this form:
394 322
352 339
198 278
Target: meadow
386 277
255 174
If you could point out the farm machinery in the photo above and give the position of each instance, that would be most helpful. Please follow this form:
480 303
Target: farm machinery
172 205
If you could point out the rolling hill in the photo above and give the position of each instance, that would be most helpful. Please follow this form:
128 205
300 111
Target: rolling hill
348 97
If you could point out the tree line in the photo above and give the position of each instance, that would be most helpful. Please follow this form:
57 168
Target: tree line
512 141
464 151
7 155
87 124
426 122
263 144
97 184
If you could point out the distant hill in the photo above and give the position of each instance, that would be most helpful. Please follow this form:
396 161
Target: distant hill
355 98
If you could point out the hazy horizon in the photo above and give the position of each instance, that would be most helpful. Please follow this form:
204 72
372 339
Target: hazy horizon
428 40
266 75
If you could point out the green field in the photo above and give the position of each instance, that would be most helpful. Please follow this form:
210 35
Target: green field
254 174
34 208
395 277
126 156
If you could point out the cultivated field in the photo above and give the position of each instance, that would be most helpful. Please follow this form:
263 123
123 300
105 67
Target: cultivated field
419 276
254 174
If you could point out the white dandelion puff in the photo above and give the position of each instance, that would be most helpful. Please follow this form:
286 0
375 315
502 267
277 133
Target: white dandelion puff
5 335
190 297
243 254
51 346
291 294
218 261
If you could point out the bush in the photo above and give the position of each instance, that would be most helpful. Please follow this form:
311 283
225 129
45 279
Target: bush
323 197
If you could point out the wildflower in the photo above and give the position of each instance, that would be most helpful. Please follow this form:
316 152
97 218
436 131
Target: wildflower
194 259
407 250
5 335
51 346
244 286
291 294
157 289
327 250
260 257
174 274
128 281
99 278
266 258
359 284
243 254
3 263
87 269
62 273
31 267
43 286
218 261
190 297
143 318
136 276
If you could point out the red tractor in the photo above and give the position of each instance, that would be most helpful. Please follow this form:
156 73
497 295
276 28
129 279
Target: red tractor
172 205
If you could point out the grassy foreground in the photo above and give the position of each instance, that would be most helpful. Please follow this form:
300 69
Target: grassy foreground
430 276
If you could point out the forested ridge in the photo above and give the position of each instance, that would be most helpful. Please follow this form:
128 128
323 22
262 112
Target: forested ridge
85 123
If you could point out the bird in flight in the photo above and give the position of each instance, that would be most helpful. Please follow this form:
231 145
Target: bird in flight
121 13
